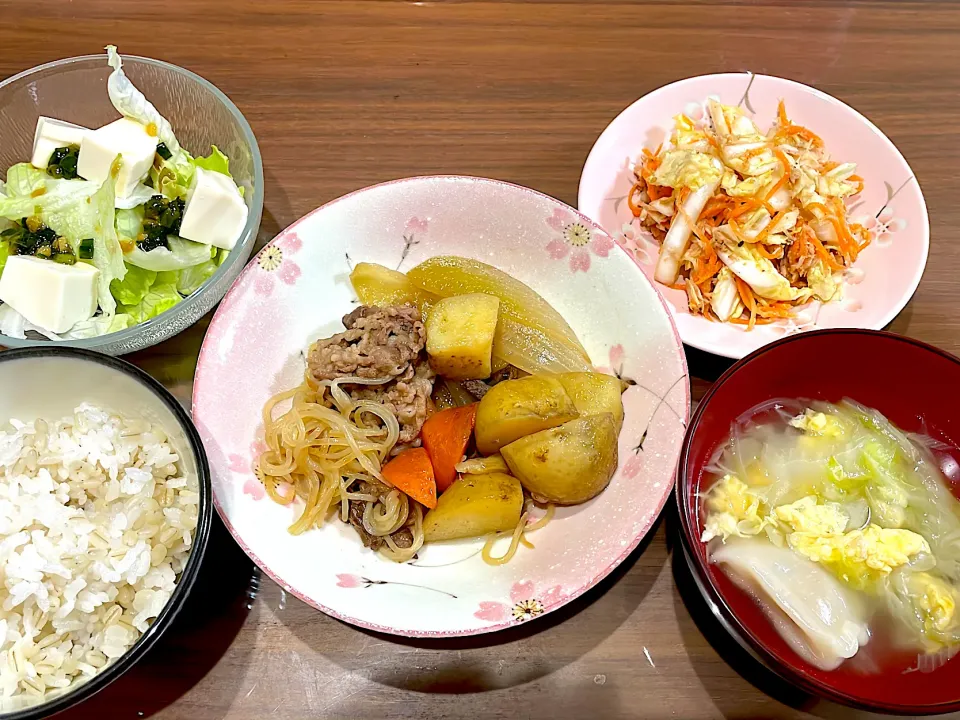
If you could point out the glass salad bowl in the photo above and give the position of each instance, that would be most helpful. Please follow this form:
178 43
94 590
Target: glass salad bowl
75 90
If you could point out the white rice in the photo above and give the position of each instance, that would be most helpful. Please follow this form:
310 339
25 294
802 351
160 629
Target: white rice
96 524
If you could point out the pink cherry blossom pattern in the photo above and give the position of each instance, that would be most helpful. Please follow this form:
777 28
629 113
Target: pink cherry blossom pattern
492 612
636 242
289 272
616 361
238 463
273 263
522 590
525 603
345 580
291 242
884 226
580 261
576 240
558 219
416 225
254 488
633 466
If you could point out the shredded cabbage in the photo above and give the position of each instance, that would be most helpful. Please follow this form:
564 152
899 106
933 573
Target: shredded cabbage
843 487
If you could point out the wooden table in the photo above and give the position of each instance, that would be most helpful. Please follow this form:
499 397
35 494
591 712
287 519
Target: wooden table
343 94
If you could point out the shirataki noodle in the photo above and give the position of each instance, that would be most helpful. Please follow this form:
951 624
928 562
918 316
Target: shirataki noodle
316 453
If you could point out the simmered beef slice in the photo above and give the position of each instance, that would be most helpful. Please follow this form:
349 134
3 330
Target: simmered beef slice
379 342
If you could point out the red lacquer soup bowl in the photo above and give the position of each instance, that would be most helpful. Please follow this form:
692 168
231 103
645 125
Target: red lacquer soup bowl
913 384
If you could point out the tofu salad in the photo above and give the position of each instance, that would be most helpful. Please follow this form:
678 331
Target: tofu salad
107 228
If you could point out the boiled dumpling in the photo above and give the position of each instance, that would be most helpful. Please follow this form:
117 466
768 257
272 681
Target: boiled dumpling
817 616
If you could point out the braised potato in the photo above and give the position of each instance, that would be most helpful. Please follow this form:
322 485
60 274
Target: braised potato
594 393
514 408
460 334
532 319
379 285
568 464
474 506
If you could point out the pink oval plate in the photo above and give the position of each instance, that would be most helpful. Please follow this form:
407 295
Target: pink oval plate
884 277
297 289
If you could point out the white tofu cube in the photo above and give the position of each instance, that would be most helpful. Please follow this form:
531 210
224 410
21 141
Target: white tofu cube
53 296
215 213
121 137
52 134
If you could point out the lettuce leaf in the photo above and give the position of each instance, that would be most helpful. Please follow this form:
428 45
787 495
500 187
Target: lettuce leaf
216 161
160 298
192 278
63 207
24 178
129 223
15 325
132 103
138 196
182 254
107 253
134 286
97 326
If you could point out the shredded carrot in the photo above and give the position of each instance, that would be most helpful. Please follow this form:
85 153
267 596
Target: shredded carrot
656 191
782 114
840 223
748 205
709 266
803 132
752 321
846 242
783 178
746 295
761 236
823 252
637 186
766 253
859 181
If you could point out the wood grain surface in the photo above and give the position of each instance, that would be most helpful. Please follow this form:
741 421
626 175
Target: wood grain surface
347 93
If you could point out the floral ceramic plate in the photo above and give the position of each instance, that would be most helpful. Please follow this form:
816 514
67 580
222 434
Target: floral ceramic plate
881 281
297 290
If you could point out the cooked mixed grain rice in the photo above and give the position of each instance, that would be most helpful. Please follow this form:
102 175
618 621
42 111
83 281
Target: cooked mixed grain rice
96 524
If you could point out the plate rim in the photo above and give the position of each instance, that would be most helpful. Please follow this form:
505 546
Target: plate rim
894 311
632 544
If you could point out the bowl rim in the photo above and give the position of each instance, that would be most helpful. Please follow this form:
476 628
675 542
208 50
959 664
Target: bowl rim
244 244
593 159
596 578
201 535
715 600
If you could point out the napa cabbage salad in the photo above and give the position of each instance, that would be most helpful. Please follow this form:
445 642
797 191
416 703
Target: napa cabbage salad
751 224
108 228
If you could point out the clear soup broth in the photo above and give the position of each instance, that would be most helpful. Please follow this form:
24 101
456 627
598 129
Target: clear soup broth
844 531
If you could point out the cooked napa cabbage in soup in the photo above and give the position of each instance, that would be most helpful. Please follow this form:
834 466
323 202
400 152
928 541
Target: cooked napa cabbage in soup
834 521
